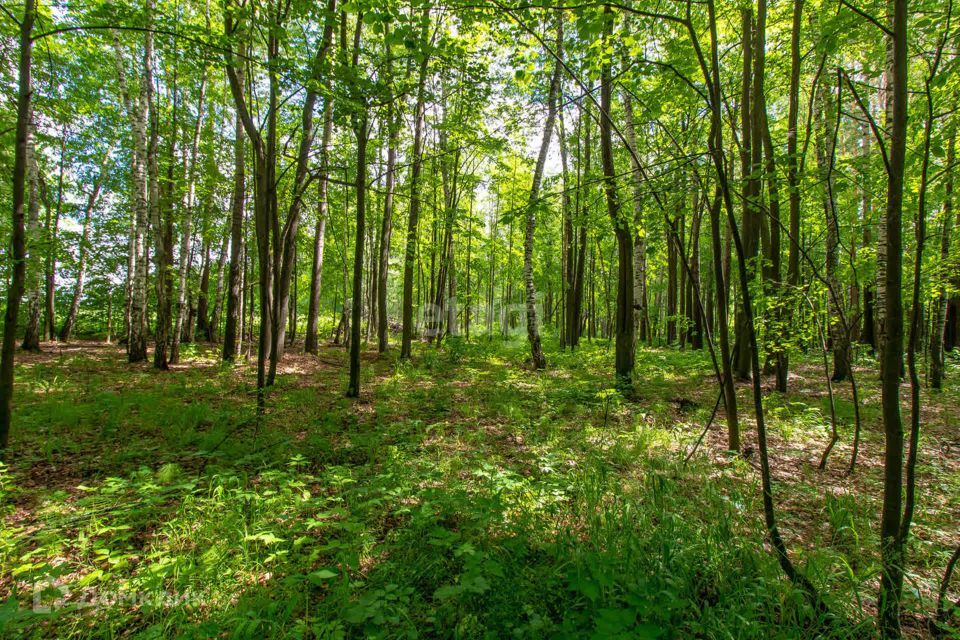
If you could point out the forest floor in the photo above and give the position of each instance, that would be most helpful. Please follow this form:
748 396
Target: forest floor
461 496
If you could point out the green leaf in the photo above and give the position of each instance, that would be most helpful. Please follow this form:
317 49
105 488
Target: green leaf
321 576
266 538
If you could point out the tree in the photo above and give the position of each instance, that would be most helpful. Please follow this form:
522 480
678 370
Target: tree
31 334
186 232
891 338
136 304
319 234
939 316
533 331
622 225
234 306
386 225
20 168
416 167
66 331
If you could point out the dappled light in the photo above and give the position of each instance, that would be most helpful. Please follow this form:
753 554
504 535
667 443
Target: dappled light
439 319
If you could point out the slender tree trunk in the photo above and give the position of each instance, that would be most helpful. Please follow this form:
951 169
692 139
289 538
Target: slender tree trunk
186 232
623 228
264 203
537 359
53 237
410 254
371 271
468 307
386 226
160 216
452 306
793 177
508 282
868 331
566 236
294 297
940 306
672 278
232 331
575 303
31 334
721 257
109 335
793 187
18 241
694 309
916 311
892 540
750 195
492 262
826 133
218 295
723 326
136 313
70 321
316 272
128 280
202 323
360 130
773 276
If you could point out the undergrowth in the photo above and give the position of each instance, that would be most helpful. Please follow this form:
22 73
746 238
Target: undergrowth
461 497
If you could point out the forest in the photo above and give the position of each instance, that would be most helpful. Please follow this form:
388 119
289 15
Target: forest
507 318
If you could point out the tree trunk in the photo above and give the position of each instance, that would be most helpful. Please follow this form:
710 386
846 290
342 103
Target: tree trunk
575 302
128 280
264 153
750 195
773 276
916 310
69 322
18 242
386 226
202 323
231 331
940 306
186 231
316 271
53 236
537 359
825 144
31 334
160 216
410 254
214 329
868 330
623 228
672 278
694 308
892 541
793 178
109 335
360 130
136 265
723 325
468 307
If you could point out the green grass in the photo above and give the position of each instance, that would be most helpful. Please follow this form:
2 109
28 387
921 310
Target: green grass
461 497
